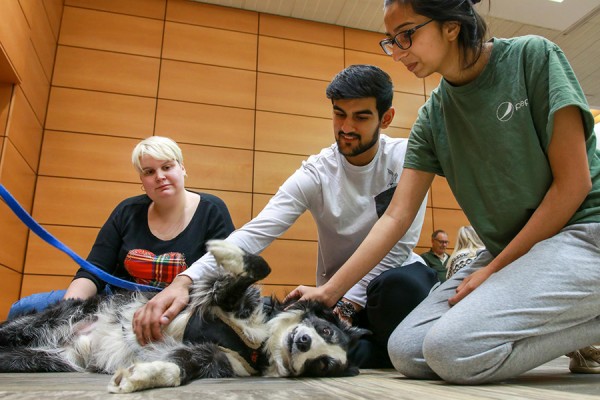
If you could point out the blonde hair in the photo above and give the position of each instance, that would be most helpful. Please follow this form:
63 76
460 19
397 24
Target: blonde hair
467 239
157 147
467 247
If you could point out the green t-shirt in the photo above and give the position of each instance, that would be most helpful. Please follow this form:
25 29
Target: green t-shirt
490 137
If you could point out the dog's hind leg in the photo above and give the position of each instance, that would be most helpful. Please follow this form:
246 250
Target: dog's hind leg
181 366
33 360
34 329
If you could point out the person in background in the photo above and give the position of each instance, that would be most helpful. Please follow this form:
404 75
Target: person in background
436 257
468 246
346 187
510 129
149 238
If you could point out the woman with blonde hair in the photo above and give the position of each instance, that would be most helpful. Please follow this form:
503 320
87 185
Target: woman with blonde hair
468 247
149 238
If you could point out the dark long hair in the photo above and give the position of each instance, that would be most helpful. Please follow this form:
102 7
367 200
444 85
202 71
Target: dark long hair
473 28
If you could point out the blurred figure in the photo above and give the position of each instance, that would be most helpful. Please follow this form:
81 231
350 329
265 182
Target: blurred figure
468 246
436 257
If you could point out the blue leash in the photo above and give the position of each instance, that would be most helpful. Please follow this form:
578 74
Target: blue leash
47 236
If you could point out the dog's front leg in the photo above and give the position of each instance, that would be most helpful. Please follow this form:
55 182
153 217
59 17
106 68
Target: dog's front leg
145 375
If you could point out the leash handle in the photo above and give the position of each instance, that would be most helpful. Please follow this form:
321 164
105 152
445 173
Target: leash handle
36 228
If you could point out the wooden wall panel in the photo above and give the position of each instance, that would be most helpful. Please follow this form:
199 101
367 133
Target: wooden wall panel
24 129
44 259
292 262
43 283
141 8
307 60
17 176
272 169
396 132
106 71
10 288
54 9
209 46
355 39
407 109
301 30
13 240
42 38
205 124
77 202
292 95
441 194
232 19
6 90
19 179
207 84
95 112
108 31
218 168
14 36
427 229
295 134
76 155
34 82
304 228
404 81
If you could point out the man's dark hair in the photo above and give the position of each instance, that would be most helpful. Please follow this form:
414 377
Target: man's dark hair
361 81
435 233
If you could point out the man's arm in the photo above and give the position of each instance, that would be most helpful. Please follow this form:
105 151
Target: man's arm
390 228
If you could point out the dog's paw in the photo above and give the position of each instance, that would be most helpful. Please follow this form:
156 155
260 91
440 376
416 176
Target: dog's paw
142 376
228 255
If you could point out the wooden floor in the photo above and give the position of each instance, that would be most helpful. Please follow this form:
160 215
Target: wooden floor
552 381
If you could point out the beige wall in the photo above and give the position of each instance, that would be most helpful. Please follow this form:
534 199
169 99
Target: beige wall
242 92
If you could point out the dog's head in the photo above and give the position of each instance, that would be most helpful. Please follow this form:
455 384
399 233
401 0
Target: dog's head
308 339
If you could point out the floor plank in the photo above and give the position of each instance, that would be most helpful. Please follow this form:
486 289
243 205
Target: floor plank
551 381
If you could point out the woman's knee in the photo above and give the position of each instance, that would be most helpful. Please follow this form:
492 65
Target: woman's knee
405 351
458 359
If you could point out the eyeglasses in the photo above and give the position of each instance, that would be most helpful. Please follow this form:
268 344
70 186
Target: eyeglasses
402 39
442 241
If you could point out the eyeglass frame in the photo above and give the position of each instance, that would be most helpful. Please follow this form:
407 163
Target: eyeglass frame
446 242
393 40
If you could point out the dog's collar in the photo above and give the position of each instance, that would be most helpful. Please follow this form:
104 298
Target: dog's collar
211 329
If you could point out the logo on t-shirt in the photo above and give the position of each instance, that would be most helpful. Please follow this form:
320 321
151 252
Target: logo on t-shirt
507 109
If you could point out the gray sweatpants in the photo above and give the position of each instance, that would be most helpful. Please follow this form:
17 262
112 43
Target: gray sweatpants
542 306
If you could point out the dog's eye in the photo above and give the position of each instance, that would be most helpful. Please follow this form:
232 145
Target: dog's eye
327 331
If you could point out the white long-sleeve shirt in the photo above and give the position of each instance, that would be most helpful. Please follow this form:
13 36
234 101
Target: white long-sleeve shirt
341 198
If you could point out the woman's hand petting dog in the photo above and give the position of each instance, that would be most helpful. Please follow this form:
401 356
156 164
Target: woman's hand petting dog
150 320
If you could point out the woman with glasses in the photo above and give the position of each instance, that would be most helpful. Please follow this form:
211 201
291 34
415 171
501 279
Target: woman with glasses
510 129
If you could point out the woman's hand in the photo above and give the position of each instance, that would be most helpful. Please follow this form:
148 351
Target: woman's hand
319 294
150 320
470 283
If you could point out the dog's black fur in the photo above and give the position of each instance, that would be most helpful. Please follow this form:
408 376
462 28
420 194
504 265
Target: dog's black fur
226 331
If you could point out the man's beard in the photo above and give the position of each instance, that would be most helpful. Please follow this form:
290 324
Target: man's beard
361 148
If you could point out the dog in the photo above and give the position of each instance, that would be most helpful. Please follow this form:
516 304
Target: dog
227 330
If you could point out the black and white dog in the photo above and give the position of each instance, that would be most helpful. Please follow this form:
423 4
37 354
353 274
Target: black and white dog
226 331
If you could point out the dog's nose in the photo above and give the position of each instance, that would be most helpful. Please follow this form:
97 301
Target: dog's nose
303 343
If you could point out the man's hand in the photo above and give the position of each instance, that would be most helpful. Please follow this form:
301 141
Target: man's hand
319 294
150 320
470 283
